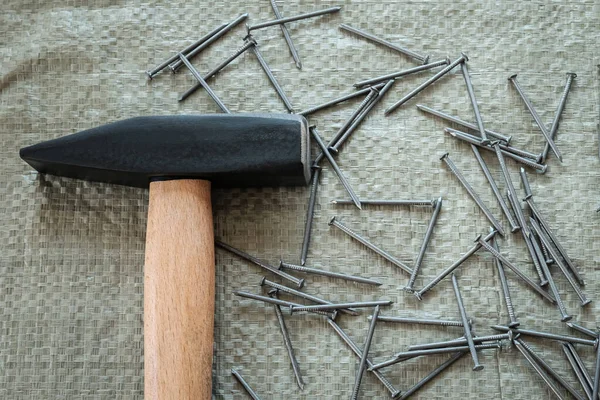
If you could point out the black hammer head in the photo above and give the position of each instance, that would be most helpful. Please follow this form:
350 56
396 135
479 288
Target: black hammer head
227 149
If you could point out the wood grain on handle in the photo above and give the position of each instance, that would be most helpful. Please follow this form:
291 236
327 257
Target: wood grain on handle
179 291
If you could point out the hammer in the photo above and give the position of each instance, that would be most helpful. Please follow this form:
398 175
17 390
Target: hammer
178 158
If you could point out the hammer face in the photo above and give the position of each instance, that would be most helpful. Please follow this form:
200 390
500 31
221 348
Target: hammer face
232 150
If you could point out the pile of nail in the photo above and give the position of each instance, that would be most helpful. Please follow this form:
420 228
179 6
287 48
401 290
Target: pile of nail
542 243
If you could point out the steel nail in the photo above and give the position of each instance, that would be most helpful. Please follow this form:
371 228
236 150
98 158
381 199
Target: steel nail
367 100
218 68
460 122
330 274
369 245
563 268
542 221
365 354
178 64
462 341
421 321
430 203
244 384
514 226
428 232
278 302
536 117
310 213
559 110
202 82
433 374
465 73
463 57
477 142
454 169
272 79
583 329
264 281
336 147
286 35
335 167
452 267
384 42
338 306
393 391
463 315
260 263
546 335
538 369
398 74
505 289
281 21
581 375
342 99
512 267
151 73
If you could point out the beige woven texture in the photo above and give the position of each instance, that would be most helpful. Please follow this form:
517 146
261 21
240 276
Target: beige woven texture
71 265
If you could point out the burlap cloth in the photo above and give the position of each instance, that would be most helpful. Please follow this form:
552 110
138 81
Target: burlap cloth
71 267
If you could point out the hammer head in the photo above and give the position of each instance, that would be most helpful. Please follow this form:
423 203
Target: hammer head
236 150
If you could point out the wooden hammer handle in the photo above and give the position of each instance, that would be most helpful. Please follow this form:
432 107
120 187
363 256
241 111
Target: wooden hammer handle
179 291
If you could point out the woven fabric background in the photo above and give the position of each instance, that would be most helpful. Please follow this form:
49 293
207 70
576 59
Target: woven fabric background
72 253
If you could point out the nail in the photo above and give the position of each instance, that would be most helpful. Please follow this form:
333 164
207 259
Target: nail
540 361
361 117
244 384
367 100
463 57
463 315
280 21
428 232
509 185
408 355
542 221
514 226
535 257
536 117
264 281
278 302
335 167
559 110
329 307
369 245
477 142
582 329
151 73
218 68
421 321
430 203
454 169
525 181
465 73
512 267
384 42
393 391
278 89
538 231
286 35
202 82
178 64
339 100
330 274
260 263
538 369
451 268
288 345
462 341
310 213
581 377
365 354
505 289
398 74
460 122
546 335
433 374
